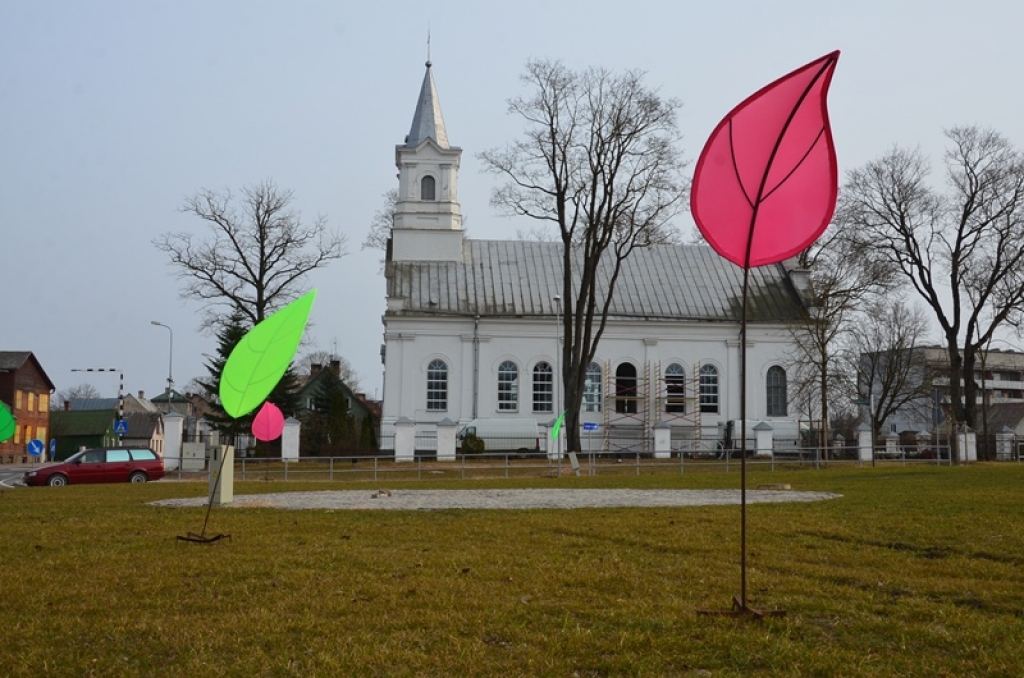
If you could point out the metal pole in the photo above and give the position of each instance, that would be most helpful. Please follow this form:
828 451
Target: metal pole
170 361
556 396
120 389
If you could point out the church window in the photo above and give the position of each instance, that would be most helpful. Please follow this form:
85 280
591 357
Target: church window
543 388
508 386
777 396
675 385
437 385
592 389
427 188
709 389
625 389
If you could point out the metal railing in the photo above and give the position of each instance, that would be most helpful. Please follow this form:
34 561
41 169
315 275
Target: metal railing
526 465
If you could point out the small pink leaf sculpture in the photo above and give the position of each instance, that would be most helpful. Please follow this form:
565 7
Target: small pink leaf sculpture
766 183
269 422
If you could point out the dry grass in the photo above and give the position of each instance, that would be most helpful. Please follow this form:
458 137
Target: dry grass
914 572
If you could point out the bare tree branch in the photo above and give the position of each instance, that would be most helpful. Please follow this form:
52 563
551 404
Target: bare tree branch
599 161
962 249
256 255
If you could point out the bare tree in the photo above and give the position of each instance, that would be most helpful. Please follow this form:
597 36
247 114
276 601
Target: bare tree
962 250
346 373
81 391
892 374
842 279
380 226
257 256
598 162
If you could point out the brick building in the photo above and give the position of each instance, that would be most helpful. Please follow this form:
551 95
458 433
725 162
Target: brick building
25 389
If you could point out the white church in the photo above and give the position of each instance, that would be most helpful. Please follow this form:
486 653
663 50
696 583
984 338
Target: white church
471 327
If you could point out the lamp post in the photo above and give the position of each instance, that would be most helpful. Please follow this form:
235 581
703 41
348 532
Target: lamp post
556 392
170 361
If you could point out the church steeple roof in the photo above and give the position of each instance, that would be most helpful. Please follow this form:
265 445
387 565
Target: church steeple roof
427 122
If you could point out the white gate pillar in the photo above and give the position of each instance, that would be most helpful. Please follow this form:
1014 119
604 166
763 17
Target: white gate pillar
864 442
174 428
968 443
405 439
662 440
446 439
764 441
290 439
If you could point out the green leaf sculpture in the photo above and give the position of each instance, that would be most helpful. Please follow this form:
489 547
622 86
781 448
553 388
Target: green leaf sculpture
261 358
7 423
557 428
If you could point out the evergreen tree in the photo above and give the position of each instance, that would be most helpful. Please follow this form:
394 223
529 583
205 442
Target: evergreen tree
327 427
284 394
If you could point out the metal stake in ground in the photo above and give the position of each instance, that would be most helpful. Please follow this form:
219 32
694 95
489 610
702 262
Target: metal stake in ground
201 538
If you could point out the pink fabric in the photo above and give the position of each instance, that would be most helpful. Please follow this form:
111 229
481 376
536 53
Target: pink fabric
767 176
269 422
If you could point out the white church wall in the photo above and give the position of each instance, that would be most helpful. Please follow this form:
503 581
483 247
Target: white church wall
527 341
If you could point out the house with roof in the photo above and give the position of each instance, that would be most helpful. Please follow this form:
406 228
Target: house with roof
145 429
25 389
173 401
76 430
471 327
363 414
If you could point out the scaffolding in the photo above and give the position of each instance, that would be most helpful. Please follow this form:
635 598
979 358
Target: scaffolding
625 408
635 400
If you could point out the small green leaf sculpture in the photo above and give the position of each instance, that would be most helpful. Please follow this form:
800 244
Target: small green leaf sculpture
557 428
263 355
7 423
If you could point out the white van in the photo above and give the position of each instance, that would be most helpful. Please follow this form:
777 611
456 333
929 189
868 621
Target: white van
503 434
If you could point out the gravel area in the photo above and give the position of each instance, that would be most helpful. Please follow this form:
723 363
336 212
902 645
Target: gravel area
412 500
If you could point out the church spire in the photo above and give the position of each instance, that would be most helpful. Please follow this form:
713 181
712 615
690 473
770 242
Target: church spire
427 224
427 122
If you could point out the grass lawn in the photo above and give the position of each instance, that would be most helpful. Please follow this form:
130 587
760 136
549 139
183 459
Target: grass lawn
915 571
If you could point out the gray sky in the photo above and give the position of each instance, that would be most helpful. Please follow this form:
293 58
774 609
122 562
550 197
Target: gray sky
112 112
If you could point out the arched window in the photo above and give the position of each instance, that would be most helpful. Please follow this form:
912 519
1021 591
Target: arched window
592 389
778 402
543 388
625 389
508 386
437 385
675 385
427 191
709 389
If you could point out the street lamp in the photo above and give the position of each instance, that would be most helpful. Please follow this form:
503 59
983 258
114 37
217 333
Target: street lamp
556 395
170 361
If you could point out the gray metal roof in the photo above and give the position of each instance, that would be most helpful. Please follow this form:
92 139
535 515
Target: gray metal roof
104 404
427 122
521 278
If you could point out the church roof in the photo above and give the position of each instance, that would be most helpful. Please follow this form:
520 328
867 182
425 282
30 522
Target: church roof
427 122
661 282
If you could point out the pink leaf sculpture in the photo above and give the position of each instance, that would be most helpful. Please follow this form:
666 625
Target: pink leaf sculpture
269 422
766 183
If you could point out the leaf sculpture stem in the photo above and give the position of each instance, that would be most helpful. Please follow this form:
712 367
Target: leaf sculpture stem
825 67
779 141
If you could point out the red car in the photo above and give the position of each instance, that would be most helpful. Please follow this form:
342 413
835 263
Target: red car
101 465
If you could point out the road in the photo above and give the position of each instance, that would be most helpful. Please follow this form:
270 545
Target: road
11 475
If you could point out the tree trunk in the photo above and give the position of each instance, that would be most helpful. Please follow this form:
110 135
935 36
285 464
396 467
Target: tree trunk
970 388
956 404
